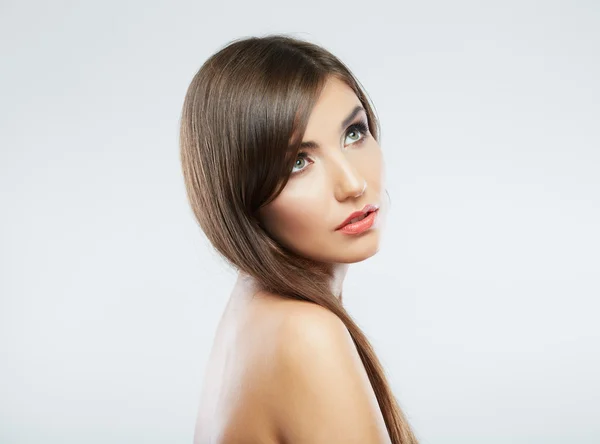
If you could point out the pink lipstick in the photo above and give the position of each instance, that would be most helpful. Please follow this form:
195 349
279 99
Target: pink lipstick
359 221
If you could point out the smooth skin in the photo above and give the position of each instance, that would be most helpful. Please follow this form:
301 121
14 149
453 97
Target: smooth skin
287 371
321 192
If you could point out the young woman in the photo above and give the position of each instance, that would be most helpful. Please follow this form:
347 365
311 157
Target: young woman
285 175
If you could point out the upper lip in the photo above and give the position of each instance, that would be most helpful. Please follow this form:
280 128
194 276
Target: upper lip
367 209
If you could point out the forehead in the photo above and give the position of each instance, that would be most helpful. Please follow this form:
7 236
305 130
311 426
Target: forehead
337 99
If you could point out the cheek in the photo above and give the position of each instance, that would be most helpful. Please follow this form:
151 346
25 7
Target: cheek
369 162
297 211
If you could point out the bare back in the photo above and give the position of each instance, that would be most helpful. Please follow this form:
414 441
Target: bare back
236 384
281 371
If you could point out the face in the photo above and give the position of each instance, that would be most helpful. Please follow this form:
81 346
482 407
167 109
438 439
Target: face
327 184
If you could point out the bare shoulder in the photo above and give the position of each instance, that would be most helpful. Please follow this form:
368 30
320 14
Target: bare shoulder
323 391
308 324
291 375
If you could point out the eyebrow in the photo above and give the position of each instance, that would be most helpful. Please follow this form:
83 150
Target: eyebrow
313 145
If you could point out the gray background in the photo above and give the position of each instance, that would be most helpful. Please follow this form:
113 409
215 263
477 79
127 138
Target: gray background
482 304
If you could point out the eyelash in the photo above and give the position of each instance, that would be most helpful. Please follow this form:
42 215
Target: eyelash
360 127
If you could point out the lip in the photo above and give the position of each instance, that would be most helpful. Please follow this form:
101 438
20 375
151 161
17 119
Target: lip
367 209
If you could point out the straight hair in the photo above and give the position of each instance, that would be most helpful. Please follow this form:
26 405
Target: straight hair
243 119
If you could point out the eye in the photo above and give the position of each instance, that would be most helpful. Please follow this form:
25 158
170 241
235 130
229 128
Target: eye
301 163
358 128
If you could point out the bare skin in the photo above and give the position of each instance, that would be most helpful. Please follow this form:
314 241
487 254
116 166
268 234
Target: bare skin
287 371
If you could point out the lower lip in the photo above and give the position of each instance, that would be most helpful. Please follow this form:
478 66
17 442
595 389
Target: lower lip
361 225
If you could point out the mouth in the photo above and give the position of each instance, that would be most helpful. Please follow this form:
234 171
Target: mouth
356 219
360 224
358 216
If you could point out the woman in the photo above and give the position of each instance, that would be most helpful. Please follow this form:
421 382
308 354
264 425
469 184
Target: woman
284 173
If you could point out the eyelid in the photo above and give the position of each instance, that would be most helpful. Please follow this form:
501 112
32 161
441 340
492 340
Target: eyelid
363 128
303 155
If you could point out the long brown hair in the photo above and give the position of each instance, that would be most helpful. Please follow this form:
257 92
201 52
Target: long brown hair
243 119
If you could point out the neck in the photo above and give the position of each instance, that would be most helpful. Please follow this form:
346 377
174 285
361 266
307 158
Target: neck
337 280
336 283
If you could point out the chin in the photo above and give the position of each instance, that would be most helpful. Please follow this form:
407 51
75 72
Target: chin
359 255
357 250
354 259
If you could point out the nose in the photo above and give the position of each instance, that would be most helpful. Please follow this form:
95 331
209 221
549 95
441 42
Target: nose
348 182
